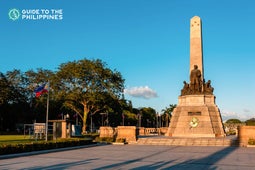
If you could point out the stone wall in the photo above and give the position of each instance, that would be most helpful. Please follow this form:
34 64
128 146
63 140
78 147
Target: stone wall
127 132
106 131
245 133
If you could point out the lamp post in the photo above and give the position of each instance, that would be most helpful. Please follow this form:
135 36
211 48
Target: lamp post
102 118
76 119
157 120
67 116
91 123
123 119
140 120
107 122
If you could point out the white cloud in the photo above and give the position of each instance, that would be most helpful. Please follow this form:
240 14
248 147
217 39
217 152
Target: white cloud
232 115
246 111
142 92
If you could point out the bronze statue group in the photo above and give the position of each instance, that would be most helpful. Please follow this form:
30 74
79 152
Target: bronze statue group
197 85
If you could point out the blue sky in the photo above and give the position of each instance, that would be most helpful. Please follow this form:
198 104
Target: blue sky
146 40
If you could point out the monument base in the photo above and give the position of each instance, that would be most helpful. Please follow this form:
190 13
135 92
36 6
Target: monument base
196 116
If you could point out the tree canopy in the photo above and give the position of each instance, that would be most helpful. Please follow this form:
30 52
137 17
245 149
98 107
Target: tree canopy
88 87
233 121
83 89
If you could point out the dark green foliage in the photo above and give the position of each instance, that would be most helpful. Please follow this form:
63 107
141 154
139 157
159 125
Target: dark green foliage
148 117
250 122
167 114
231 132
29 147
105 139
121 140
83 87
251 141
233 121
88 87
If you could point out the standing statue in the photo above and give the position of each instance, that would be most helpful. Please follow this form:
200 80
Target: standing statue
197 85
195 80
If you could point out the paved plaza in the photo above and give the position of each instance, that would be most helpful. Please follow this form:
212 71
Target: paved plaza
136 157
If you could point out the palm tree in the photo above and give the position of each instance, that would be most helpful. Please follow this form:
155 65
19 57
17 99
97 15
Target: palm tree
167 113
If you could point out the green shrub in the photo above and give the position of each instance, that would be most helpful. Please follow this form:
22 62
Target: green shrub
233 121
121 140
251 141
104 139
250 122
231 132
41 145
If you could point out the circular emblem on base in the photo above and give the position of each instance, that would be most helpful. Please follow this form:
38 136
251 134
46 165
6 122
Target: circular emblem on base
194 122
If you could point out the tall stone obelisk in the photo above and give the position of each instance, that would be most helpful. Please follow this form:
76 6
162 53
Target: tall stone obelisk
196 114
196 49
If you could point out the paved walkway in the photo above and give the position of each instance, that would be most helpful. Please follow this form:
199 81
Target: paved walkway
137 157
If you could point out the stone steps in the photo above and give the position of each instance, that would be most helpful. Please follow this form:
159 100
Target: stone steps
187 141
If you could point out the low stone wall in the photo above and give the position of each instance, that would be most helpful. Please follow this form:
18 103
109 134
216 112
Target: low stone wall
245 133
150 131
127 132
106 131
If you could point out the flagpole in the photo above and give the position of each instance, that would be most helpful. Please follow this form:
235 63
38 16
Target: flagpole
47 112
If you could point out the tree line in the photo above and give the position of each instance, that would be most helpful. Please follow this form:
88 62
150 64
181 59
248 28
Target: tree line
87 90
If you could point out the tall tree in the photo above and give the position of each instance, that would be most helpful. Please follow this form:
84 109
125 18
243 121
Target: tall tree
167 113
85 86
38 105
148 116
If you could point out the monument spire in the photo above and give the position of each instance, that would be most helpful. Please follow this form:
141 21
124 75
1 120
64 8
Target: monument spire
196 48
196 114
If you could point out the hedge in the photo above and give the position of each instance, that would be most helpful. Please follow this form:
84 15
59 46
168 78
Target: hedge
42 145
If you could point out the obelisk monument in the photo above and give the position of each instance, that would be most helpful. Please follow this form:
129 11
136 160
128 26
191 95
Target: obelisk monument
196 49
196 114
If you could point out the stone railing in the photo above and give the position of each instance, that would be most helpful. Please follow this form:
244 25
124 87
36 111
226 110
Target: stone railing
154 131
151 131
130 133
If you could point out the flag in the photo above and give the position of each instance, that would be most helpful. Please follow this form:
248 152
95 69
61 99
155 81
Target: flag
41 90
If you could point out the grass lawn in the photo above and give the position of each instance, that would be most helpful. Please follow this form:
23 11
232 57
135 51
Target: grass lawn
10 144
16 139
21 139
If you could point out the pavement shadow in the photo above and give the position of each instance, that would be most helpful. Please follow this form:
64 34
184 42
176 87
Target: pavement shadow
153 166
207 163
62 165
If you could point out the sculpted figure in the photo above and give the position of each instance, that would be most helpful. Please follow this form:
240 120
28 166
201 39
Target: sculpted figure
195 80
185 90
208 89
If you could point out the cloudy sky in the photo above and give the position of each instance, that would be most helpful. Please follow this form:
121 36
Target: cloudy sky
146 40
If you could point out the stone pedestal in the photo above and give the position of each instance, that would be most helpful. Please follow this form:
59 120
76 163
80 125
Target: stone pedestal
61 129
196 116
